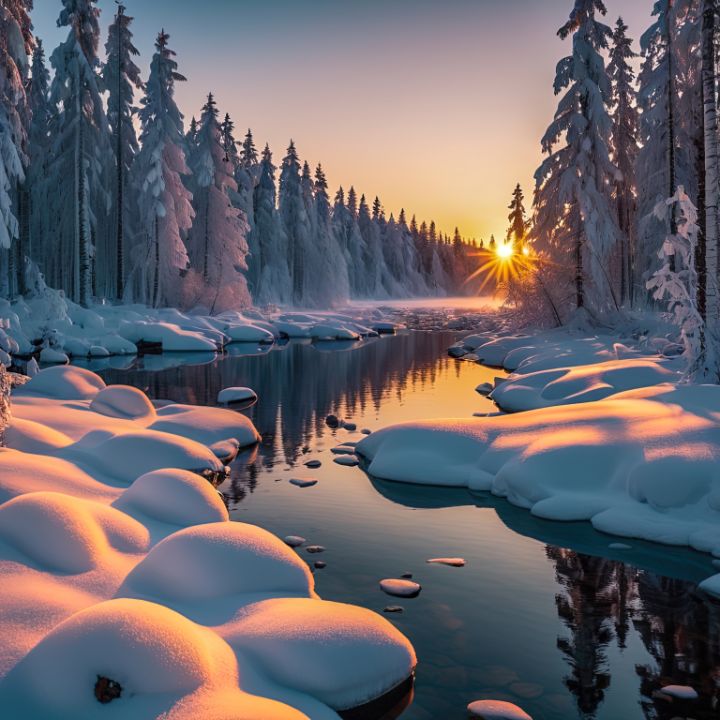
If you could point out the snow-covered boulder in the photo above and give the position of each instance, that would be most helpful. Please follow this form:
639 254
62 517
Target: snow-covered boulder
64 383
51 356
496 710
217 560
177 497
236 395
123 401
361 657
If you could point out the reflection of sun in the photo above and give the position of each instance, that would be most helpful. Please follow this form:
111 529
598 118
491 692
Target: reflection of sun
502 264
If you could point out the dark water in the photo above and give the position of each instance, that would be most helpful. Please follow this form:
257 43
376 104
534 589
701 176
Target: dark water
545 615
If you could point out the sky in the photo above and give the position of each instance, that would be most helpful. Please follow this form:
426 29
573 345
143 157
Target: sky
437 106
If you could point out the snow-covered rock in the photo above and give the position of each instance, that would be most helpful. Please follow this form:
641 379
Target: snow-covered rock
496 710
236 395
680 692
400 588
123 401
64 383
50 356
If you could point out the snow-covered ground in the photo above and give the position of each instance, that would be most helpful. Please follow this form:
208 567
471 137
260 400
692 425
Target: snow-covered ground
124 582
598 429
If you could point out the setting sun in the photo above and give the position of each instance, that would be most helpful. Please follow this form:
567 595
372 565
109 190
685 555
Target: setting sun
505 251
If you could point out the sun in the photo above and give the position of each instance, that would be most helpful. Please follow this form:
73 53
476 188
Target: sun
505 251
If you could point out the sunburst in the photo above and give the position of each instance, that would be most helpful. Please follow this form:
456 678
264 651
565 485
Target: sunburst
502 264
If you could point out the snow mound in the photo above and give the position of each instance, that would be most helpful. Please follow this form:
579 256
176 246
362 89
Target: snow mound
64 383
176 497
584 383
206 425
156 655
123 401
171 337
66 534
615 462
681 692
400 588
52 356
127 457
217 560
496 710
248 334
341 654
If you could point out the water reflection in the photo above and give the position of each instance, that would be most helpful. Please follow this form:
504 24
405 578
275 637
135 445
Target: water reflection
545 614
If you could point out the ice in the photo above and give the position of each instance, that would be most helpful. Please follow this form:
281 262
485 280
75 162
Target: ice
236 395
400 588
496 710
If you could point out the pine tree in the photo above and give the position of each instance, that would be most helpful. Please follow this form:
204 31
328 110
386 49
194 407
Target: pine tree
624 149
121 78
40 248
572 205
248 156
218 237
16 42
295 220
165 204
80 146
275 285
518 220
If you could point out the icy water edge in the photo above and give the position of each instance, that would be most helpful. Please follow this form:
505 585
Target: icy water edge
544 615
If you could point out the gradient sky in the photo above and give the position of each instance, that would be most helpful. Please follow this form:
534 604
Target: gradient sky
437 106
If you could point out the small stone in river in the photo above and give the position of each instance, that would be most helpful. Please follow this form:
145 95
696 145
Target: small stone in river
400 588
294 541
619 546
452 562
347 460
350 426
366 431
332 421
314 549
485 389
393 609
343 450
496 710
680 692
406 576
303 482
312 464
319 564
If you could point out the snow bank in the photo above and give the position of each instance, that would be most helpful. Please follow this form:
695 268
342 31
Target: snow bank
584 383
116 557
616 462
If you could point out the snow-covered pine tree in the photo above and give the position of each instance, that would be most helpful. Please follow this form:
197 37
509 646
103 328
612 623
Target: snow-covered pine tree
624 143
371 261
296 222
165 204
121 77
218 238
676 280
16 43
275 285
573 214
80 148
40 246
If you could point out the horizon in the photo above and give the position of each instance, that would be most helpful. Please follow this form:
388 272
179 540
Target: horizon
327 110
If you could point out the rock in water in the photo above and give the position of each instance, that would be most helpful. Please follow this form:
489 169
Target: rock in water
314 549
347 460
350 426
394 609
232 395
343 450
332 421
313 464
452 562
680 692
294 541
400 588
319 564
496 710
303 482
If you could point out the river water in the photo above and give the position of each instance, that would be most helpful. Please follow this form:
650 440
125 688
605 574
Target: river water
545 615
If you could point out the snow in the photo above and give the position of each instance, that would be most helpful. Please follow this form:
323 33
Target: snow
50 355
614 462
711 586
451 561
400 588
681 692
113 554
496 710
236 395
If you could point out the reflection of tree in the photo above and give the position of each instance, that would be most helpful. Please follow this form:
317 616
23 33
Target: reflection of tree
681 630
300 384
585 606
679 627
